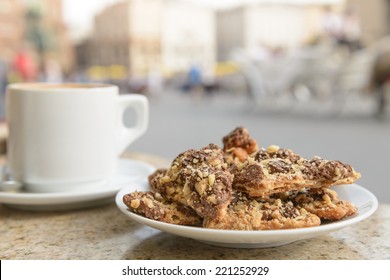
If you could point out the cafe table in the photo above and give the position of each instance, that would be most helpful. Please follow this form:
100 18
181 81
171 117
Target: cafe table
103 232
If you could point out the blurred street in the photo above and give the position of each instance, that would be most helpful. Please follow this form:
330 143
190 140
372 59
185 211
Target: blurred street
179 121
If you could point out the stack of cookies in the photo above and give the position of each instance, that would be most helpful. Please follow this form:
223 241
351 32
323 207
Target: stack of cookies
242 187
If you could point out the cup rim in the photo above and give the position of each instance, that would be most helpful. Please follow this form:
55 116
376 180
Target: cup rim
60 87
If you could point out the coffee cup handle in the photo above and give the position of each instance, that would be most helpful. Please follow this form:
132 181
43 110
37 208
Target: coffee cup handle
141 107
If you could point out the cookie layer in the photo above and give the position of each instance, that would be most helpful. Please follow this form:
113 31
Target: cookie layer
280 170
155 207
252 214
325 204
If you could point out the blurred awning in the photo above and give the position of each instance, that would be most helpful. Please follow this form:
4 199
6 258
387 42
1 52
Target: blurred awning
97 73
226 68
112 72
117 72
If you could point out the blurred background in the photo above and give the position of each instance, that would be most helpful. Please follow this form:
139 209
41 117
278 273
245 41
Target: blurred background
309 75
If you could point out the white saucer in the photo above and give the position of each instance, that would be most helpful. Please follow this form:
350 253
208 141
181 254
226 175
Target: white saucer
128 172
364 200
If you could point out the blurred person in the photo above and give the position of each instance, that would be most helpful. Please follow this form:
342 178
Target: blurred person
194 79
343 30
137 84
260 53
210 84
351 30
24 65
332 25
3 74
3 86
155 83
51 71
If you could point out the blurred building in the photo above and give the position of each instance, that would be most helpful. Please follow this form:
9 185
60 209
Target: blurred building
230 31
128 34
188 36
38 21
84 53
145 35
266 25
374 16
11 26
170 35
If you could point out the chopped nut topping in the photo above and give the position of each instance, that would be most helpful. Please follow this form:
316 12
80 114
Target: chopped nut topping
148 202
212 199
170 191
135 203
211 179
200 187
165 179
272 149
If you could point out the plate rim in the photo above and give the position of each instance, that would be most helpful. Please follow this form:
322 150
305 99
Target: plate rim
314 231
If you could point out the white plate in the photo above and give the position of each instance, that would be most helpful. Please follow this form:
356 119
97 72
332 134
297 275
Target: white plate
128 172
365 201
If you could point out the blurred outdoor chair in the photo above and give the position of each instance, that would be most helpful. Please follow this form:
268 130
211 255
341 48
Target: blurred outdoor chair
268 82
321 78
283 81
316 73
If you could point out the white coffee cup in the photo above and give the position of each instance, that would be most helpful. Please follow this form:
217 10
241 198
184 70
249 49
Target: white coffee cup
68 137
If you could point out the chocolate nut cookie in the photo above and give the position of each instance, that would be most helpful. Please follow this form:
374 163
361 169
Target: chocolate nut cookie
324 203
242 187
155 207
199 179
280 170
246 213
238 145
